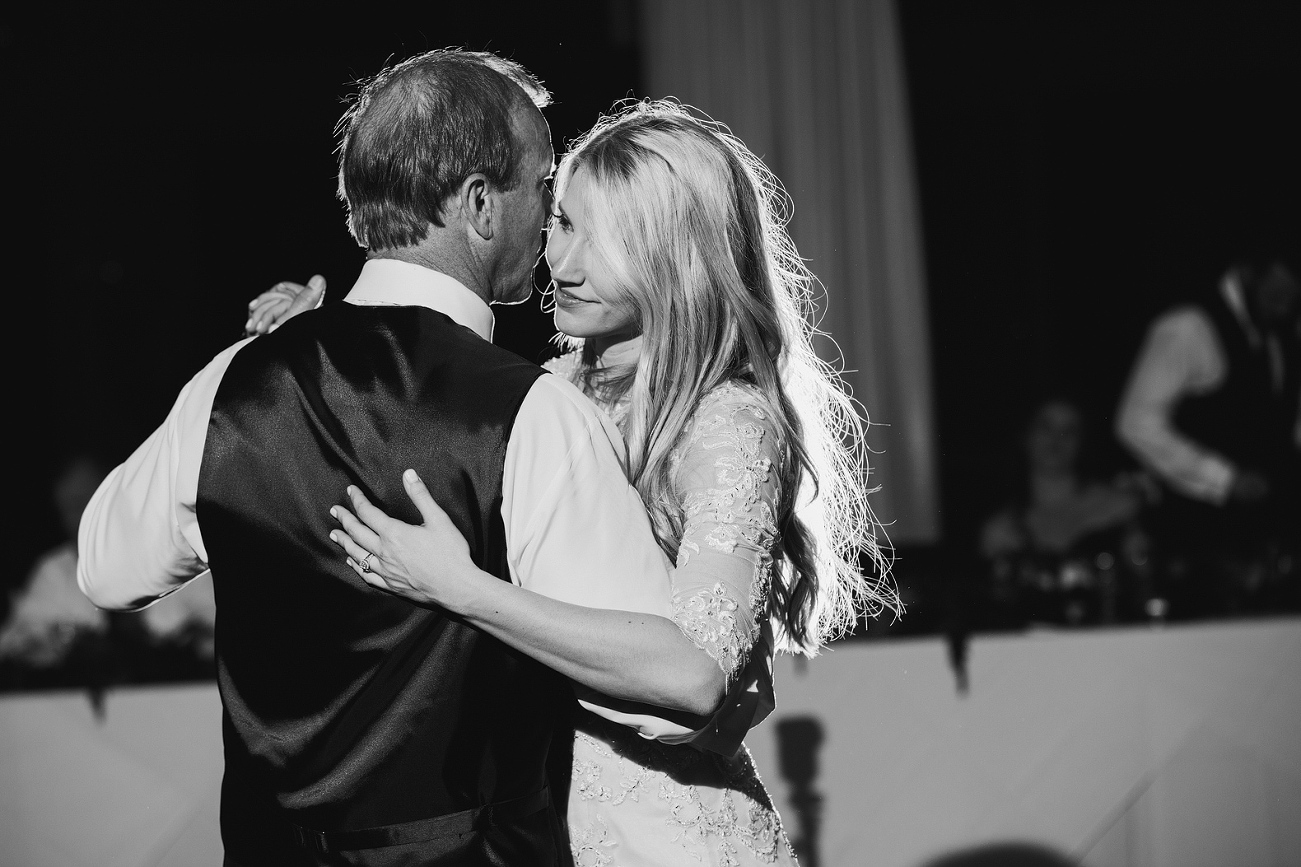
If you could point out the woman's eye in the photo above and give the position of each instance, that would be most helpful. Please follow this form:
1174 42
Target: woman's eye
558 219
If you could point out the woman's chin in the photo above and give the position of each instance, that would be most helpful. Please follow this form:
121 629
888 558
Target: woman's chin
573 326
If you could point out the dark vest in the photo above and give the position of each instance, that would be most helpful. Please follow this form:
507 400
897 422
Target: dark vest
1246 419
346 709
1251 423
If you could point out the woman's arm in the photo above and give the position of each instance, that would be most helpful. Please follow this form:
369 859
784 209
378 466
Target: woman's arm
638 657
731 494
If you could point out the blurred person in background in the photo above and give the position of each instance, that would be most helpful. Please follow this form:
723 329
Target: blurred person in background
52 630
54 637
1069 548
1211 408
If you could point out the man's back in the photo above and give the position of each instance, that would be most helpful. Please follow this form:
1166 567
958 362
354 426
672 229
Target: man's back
345 708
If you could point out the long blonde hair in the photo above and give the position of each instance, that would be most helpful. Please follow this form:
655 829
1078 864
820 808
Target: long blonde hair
691 226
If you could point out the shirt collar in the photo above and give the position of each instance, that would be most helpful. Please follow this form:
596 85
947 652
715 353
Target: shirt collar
394 283
1232 293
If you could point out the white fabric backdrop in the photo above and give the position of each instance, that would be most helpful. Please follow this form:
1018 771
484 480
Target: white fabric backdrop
816 88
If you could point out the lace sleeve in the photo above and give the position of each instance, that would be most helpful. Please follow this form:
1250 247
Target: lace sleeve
729 493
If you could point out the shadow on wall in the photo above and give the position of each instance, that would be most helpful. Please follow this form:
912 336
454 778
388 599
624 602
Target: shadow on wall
1004 855
798 742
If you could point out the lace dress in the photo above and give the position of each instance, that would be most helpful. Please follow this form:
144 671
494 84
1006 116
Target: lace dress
636 802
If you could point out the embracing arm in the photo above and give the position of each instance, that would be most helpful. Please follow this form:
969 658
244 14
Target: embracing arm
631 655
579 539
139 537
731 494
719 590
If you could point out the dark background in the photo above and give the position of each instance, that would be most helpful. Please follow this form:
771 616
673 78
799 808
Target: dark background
1081 167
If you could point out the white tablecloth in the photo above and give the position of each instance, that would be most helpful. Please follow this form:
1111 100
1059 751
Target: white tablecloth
1124 748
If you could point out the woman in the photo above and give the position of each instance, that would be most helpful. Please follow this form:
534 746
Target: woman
684 303
1069 549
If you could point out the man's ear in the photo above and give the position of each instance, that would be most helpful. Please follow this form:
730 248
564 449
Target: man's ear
478 202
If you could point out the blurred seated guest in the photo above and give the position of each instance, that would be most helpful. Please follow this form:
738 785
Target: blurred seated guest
1068 549
186 619
1211 408
54 637
49 615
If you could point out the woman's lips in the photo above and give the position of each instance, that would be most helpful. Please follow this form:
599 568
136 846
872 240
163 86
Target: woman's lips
566 298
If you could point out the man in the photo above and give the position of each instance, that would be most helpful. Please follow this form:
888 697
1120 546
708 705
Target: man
1211 409
359 729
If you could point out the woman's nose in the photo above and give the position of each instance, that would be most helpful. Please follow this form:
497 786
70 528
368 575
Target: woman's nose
562 265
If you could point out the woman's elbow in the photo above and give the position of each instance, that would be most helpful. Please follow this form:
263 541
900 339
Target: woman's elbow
703 691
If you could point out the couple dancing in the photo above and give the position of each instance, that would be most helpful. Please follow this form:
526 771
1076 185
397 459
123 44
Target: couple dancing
640 528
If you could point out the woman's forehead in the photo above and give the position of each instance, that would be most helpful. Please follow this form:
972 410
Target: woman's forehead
572 188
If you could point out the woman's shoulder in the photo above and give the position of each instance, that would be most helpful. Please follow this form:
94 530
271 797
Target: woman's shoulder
736 398
734 409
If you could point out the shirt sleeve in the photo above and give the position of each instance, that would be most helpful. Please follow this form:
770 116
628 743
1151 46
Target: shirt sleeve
576 529
139 536
1180 357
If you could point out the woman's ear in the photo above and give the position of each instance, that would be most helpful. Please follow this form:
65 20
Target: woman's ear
478 202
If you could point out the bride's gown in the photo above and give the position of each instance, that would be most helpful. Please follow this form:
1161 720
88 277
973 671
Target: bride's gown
635 802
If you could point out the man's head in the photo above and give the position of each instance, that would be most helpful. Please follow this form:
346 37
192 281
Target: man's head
1271 291
451 140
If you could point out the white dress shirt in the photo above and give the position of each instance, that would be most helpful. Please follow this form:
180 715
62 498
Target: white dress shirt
576 530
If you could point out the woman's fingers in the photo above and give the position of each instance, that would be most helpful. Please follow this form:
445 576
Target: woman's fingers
354 532
430 511
356 555
315 292
284 287
309 299
287 291
274 297
354 552
372 516
267 314
283 301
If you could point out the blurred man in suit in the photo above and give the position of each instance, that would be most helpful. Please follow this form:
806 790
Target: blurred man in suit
1211 408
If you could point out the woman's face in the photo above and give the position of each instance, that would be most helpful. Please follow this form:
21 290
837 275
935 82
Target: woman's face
1054 438
585 304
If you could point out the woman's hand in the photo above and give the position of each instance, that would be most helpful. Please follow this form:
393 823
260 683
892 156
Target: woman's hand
282 302
428 564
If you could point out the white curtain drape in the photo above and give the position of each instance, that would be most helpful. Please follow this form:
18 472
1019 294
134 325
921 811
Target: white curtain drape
816 88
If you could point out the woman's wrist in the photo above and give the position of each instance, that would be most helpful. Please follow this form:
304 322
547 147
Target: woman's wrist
470 593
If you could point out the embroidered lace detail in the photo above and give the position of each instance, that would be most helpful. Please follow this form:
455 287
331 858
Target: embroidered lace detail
709 803
708 617
724 471
591 845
